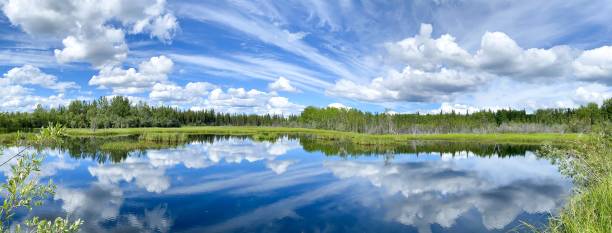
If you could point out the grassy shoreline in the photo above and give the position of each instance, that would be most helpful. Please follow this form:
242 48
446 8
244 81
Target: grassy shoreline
359 138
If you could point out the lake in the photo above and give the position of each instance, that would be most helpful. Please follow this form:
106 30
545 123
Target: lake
237 184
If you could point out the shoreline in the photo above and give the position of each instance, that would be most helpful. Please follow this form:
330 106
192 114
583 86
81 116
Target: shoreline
358 138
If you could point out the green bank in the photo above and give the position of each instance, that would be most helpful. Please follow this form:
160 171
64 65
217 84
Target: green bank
359 138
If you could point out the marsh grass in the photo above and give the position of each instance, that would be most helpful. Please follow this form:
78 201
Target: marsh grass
364 139
266 136
589 164
588 212
167 137
127 146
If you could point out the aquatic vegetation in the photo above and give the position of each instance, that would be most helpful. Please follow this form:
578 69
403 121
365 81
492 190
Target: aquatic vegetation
589 164
266 136
163 137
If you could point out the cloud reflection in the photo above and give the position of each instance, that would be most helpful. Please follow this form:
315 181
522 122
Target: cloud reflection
439 192
54 160
100 204
149 171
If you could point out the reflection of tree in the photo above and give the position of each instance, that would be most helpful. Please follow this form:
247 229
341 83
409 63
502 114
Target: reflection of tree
347 148
117 149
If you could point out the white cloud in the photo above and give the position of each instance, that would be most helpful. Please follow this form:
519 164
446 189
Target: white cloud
86 28
595 65
592 93
193 92
456 108
31 75
255 67
133 81
291 37
203 95
412 85
424 52
282 84
500 55
266 32
501 94
18 85
338 105
439 70
104 48
239 100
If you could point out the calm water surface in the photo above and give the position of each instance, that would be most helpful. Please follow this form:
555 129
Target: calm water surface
291 185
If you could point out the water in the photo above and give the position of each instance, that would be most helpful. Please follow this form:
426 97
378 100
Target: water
231 184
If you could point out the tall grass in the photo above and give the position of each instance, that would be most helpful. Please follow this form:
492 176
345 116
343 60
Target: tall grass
589 164
164 137
588 212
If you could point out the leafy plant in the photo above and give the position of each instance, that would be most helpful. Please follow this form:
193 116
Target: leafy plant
589 164
22 190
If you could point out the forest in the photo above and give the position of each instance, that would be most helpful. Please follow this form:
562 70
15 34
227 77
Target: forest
120 112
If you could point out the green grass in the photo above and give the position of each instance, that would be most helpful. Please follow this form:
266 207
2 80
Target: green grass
589 164
588 212
163 137
132 145
366 139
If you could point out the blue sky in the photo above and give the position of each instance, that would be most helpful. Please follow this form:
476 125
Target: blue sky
280 56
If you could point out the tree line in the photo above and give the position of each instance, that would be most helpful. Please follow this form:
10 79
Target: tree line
120 112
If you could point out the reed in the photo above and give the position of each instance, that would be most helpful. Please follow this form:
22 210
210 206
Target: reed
164 137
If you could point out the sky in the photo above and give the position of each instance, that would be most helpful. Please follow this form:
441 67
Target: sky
277 57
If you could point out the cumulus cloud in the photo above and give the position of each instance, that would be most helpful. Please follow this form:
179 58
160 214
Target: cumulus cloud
595 65
31 75
87 28
501 94
282 84
239 100
338 105
592 93
131 80
411 85
424 52
500 55
456 108
203 95
171 93
440 70
19 84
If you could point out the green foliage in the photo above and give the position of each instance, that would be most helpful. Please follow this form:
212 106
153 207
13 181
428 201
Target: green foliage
119 112
589 164
587 212
22 190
